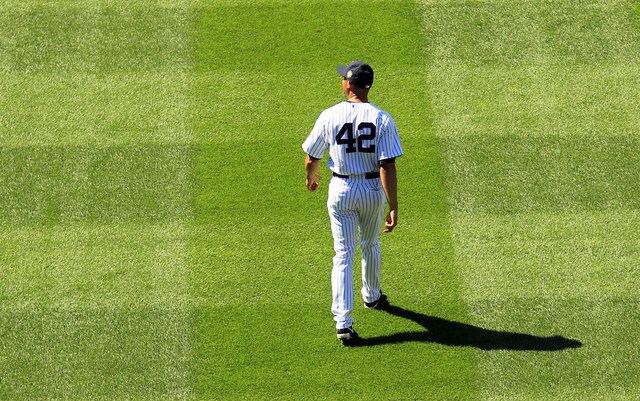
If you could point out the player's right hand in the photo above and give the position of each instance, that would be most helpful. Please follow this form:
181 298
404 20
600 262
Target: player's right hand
312 183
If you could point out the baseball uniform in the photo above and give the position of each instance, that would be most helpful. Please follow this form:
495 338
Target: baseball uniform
358 136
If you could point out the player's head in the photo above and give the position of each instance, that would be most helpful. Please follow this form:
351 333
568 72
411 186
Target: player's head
358 73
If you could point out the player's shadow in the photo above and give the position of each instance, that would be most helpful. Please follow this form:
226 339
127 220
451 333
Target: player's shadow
447 332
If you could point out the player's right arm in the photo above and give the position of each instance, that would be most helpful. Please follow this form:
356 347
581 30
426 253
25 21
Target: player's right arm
389 178
311 166
314 146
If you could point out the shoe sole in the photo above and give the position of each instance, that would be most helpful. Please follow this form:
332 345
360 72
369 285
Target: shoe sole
348 336
379 304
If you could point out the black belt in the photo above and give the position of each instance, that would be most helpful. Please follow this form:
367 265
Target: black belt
368 176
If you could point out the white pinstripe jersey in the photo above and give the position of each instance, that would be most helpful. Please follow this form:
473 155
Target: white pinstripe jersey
358 136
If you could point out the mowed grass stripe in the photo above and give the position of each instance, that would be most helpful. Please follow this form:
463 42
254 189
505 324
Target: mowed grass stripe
95 312
535 107
261 245
103 353
95 196
94 110
566 274
69 185
515 174
94 37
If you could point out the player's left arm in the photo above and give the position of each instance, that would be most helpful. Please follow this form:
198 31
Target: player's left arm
311 166
389 178
390 149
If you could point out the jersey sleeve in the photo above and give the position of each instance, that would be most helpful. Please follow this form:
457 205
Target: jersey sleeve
316 144
389 146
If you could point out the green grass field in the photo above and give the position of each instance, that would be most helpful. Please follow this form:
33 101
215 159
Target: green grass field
157 240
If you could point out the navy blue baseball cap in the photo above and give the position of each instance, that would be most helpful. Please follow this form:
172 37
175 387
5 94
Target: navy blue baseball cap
358 73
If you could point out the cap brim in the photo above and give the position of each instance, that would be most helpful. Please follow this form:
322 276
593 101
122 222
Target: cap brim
342 70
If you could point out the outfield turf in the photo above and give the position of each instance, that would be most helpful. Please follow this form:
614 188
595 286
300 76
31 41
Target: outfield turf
157 240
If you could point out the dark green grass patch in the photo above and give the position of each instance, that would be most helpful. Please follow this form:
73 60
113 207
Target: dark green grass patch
61 185
513 174
262 249
295 38
268 361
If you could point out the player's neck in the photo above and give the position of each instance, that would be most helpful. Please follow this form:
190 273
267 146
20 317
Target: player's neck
353 98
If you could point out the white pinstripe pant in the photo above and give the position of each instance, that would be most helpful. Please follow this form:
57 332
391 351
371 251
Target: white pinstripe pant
355 204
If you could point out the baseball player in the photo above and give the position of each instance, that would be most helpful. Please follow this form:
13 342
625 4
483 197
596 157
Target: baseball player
363 144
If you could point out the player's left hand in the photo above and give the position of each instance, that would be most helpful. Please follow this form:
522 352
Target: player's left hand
392 221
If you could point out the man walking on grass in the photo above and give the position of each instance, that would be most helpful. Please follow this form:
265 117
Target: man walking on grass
363 144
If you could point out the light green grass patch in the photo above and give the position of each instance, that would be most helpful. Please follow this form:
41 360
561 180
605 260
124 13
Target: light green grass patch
534 103
95 312
586 255
94 110
573 275
99 38
524 33
93 266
